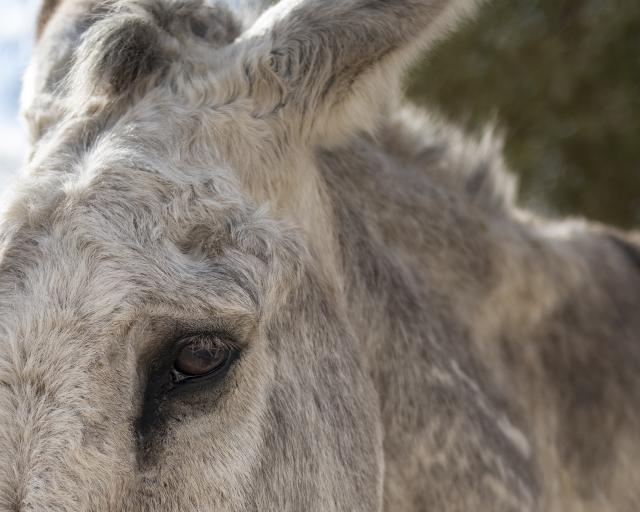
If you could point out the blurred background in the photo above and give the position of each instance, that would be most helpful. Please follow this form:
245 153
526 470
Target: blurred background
16 35
559 78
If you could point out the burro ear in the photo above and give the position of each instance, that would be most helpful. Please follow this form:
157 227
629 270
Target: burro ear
47 10
87 49
60 26
335 62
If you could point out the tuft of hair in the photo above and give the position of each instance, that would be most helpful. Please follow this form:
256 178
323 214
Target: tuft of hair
474 167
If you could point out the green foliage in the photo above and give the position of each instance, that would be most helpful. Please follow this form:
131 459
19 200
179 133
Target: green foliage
561 79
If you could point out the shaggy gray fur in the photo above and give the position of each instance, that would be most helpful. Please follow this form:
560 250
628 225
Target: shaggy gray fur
409 339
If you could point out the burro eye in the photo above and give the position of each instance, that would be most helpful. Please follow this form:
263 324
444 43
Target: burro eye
203 356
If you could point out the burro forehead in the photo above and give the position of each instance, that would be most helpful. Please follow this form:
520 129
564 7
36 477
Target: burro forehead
119 228
103 271
93 282
101 251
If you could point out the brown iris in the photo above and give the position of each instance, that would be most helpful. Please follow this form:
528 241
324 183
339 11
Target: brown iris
202 355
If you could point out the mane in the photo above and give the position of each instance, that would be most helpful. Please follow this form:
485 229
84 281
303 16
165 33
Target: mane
473 167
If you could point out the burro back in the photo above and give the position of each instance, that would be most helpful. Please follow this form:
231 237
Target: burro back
238 274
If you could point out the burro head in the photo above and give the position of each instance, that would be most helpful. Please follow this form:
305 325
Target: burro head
173 327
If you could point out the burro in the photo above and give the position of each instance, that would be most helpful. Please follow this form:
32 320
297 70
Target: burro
239 274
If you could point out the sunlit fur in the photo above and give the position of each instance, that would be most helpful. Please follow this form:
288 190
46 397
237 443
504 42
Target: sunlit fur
410 340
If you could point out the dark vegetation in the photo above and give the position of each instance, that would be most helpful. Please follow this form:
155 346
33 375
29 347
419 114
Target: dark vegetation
561 80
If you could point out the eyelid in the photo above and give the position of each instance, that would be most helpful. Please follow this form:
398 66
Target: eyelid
238 331
220 337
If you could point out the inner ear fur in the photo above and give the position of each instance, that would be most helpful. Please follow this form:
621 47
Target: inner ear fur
119 56
113 44
110 47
